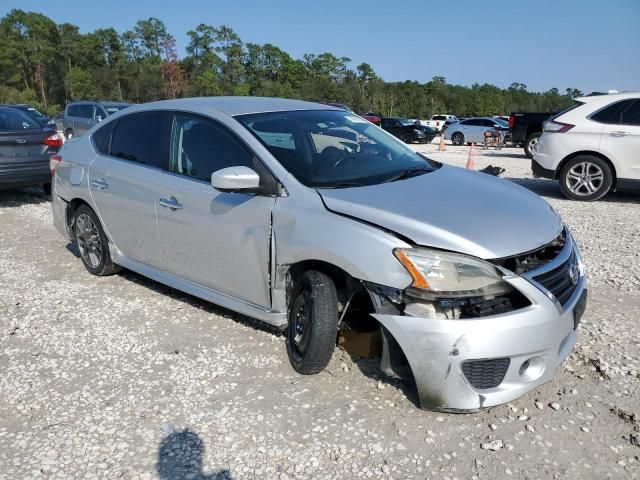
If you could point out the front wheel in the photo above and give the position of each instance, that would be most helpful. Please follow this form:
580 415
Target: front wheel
586 178
407 138
313 322
457 138
92 242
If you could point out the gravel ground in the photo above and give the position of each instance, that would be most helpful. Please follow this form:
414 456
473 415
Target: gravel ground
121 377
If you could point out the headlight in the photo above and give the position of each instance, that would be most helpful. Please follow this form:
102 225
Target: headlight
449 275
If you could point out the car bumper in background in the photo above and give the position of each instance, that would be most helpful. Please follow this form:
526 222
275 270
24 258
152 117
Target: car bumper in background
540 172
23 173
59 207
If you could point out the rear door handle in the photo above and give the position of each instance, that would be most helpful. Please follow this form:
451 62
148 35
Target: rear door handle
619 134
171 203
100 184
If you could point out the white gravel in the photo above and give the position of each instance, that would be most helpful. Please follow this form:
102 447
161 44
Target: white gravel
121 377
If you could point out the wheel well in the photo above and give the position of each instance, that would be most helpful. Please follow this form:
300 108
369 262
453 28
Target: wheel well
586 152
350 290
72 206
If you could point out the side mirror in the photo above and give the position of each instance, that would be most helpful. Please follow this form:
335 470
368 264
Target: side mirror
98 118
235 179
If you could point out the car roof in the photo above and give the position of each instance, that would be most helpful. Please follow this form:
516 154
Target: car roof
91 102
235 105
608 97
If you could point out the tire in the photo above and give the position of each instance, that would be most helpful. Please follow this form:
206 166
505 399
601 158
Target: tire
313 323
47 188
531 144
457 139
407 138
92 243
69 134
586 178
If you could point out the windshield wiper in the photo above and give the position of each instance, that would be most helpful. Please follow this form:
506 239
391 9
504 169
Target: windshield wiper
408 173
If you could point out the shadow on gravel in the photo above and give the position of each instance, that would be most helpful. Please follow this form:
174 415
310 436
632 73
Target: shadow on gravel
551 188
195 301
180 458
23 196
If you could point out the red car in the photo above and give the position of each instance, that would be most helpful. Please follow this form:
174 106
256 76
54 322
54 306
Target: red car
370 116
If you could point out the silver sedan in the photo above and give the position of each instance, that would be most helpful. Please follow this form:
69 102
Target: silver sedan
314 220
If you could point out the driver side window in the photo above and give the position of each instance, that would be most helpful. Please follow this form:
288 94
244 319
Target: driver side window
201 147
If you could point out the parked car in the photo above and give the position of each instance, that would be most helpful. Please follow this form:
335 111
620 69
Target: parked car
25 148
593 147
526 129
472 130
31 111
438 122
407 130
81 116
264 206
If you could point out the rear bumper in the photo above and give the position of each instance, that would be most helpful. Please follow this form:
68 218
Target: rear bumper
20 174
59 208
540 172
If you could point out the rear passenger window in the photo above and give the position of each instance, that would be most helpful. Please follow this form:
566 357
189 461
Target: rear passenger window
201 147
72 110
102 138
631 116
611 114
142 138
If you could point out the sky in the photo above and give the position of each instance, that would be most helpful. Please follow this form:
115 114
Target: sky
586 44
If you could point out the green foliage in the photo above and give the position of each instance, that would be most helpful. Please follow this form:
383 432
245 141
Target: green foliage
49 65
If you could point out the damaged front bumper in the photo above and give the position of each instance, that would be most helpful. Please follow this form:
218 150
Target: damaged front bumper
472 364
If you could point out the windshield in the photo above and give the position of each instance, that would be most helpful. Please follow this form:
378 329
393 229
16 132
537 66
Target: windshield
502 122
334 149
406 121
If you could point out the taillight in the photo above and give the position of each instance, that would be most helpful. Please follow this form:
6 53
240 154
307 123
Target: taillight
512 120
54 140
437 124
54 161
556 127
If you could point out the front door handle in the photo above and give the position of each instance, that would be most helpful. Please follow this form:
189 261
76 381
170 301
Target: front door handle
171 203
619 134
100 184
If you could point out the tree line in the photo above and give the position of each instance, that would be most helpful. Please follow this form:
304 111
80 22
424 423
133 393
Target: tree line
49 64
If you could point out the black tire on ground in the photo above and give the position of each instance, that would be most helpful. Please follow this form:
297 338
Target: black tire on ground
407 138
69 134
313 322
457 138
47 188
596 170
531 144
93 243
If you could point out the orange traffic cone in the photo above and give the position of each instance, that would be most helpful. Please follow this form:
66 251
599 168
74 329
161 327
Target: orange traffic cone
441 148
471 160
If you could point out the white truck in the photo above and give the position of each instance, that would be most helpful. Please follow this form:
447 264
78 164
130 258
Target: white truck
437 122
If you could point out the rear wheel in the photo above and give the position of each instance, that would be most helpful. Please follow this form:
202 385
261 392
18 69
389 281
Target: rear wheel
47 188
69 134
457 138
531 144
586 178
407 138
313 322
92 242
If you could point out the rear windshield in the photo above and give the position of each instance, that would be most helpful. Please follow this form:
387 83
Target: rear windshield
576 104
111 109
12 120
439 117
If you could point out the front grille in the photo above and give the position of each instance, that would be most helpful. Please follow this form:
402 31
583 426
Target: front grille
561 281
484 374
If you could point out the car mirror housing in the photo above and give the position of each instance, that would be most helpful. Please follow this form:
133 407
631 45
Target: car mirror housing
235 179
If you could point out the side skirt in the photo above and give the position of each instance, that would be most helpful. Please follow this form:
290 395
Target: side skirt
277 319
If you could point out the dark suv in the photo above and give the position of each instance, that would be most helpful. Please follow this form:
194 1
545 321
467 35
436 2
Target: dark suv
81 116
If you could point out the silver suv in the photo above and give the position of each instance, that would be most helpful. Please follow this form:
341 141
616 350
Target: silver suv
314 220
81 116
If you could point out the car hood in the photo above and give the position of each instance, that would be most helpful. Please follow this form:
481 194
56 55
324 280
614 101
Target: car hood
453 209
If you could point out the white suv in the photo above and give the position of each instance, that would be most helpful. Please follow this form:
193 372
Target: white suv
592 147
